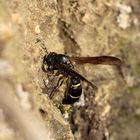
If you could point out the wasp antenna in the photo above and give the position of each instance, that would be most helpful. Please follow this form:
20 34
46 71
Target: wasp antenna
42 44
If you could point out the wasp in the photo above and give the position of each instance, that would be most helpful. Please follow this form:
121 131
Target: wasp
60 64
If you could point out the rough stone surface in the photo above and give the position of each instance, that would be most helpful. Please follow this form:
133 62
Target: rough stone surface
75 28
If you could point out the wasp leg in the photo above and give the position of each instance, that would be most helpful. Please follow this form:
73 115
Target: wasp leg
59 83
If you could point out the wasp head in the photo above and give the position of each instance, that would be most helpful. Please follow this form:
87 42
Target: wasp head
48 62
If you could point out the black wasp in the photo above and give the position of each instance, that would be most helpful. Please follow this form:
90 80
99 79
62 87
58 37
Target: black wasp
62 65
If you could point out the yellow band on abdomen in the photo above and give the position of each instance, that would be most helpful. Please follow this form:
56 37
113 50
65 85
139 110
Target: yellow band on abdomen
74 97
76 85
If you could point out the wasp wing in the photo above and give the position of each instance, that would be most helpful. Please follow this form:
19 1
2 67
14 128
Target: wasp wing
74 73
84 79
101 60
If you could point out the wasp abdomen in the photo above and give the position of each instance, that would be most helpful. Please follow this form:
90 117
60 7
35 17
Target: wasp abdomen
73 92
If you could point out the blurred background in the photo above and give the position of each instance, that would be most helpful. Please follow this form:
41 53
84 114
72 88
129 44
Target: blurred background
75 28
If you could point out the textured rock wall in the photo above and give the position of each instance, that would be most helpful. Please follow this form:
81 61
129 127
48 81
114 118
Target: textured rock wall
75 28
